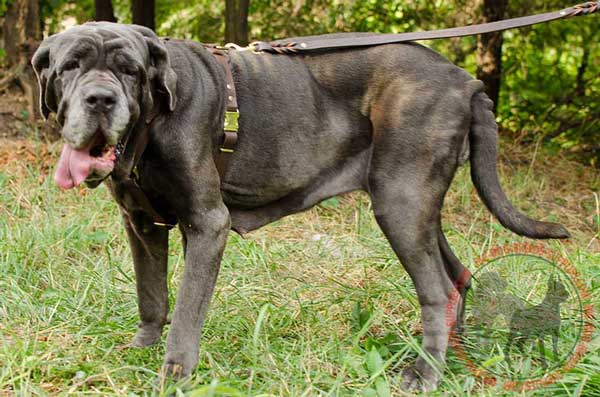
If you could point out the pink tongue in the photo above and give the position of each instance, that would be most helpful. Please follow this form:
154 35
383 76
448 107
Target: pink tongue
74 166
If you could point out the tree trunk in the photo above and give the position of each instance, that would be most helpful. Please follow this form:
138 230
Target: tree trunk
103 11
236 21
142 13
22 25
489 50
14 30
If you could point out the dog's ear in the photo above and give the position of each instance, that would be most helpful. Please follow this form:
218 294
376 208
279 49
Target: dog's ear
147 100
45 76
161 71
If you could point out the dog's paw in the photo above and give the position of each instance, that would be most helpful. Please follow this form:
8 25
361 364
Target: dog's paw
414 380
146 335
173 371
178 365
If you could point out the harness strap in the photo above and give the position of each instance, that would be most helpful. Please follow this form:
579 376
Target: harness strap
230 129
316 44
125 175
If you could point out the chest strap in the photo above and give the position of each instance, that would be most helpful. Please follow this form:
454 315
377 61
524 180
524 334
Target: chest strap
232 113
125 178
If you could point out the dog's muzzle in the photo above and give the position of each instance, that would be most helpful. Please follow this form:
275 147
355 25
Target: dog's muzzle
97 117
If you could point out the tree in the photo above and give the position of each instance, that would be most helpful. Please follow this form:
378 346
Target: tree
236 21
103 11
489 50
142 13
22 24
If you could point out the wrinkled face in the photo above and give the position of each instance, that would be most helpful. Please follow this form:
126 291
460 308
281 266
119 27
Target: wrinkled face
98 78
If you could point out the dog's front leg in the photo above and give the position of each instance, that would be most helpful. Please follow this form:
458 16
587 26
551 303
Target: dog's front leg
205 234
149 244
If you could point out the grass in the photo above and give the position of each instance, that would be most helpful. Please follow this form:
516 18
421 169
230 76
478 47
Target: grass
313 305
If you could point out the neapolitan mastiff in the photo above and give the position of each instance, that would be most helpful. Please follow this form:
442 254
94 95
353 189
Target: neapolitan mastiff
393 120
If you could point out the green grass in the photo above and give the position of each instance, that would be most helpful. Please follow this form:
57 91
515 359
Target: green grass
313 305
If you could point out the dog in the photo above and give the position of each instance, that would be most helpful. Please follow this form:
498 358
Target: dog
395 121
536 322
490 301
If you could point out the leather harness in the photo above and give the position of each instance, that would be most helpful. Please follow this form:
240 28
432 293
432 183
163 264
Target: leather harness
125 176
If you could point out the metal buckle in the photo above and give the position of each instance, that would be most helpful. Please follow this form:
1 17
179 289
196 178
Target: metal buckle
233 46
254 47
231 121
166 225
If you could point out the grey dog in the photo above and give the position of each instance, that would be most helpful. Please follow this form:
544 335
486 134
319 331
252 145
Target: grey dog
395 121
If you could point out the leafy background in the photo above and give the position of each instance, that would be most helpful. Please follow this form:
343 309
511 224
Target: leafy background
549 90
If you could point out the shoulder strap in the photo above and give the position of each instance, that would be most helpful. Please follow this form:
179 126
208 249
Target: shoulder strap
316 44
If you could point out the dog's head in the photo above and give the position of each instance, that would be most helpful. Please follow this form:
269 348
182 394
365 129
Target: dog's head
99 78
557 292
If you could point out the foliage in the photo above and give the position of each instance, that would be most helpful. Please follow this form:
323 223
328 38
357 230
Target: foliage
550 79
551 86
202 20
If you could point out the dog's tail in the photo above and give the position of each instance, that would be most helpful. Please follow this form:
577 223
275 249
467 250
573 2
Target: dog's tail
483 139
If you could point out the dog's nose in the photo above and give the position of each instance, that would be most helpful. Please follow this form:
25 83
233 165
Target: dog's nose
100 99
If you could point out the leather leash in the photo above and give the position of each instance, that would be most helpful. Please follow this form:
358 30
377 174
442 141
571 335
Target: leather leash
322 44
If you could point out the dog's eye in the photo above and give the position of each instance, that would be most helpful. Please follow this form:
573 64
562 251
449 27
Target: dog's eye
129 70
71 65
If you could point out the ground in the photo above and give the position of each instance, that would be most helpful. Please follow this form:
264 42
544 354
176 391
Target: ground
299 305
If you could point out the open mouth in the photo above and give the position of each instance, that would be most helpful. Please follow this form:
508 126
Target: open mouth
93 162
100 148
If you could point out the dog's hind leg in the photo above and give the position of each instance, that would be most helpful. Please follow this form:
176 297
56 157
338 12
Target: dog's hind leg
407 210
418 137
542 350
404 220
459 274
507 347
555 334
